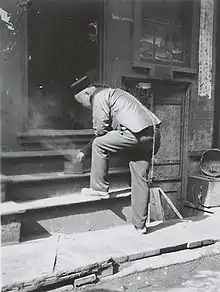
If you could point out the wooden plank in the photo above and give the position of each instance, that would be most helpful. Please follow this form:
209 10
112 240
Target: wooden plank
170 203
197 207
156 209
184 146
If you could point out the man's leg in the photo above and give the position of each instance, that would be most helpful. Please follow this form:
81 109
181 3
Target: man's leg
140 192
102 148
139 168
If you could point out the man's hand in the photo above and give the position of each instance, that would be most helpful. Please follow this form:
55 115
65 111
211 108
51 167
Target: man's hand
80 156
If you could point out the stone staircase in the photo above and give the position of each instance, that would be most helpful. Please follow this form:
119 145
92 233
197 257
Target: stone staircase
40 198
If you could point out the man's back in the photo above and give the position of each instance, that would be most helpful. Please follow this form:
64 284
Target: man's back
126 110
114 107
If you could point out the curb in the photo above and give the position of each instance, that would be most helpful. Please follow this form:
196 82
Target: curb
94 272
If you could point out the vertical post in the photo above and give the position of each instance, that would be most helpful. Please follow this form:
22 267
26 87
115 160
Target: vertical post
25 4
185 145
206 43
202 105
137 33
104 67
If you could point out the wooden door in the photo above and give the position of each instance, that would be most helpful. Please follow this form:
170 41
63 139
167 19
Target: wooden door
168 100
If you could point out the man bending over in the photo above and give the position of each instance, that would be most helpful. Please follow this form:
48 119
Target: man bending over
121 123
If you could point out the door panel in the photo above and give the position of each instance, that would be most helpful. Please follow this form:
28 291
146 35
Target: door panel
170 131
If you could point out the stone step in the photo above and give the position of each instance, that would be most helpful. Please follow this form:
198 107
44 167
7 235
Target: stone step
67 214
31 187
47 161
31 162
55 139
71 213
37 213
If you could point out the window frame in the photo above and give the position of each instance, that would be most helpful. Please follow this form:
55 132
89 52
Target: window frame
191 43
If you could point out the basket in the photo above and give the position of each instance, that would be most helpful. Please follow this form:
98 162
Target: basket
210 162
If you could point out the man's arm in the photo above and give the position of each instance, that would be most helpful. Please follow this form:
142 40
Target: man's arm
101 121
101 113
87 149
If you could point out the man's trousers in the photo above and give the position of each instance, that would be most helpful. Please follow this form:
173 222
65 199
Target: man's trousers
138 149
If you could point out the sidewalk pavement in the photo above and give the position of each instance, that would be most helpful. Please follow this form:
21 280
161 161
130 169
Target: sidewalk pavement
62 257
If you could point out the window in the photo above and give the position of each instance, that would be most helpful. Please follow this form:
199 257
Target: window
165 31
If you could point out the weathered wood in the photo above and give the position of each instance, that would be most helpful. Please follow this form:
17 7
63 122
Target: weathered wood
171 204
197 207
156 209
184 145
204 190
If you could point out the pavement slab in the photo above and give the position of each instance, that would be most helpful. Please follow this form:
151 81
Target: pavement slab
26 261
71 253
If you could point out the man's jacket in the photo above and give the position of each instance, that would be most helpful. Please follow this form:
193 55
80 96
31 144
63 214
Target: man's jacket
113 108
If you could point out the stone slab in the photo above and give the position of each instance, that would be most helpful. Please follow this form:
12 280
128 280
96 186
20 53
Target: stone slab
75 218
89 251
24 262
85 280
166 260
11 208
10 231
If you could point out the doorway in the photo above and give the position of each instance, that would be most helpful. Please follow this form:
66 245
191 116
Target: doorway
168 100
63 45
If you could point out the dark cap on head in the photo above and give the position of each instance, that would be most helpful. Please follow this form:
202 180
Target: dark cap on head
80 84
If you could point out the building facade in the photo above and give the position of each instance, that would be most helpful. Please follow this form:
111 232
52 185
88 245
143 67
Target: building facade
173 45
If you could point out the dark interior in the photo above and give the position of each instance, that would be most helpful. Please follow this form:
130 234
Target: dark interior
63 45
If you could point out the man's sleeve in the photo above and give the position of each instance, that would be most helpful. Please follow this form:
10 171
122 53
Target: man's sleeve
101 114
101 120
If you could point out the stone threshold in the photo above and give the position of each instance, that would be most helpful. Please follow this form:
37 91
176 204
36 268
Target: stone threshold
13 208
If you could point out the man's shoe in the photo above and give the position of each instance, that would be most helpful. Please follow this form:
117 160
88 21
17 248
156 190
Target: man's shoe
91 192
141 231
